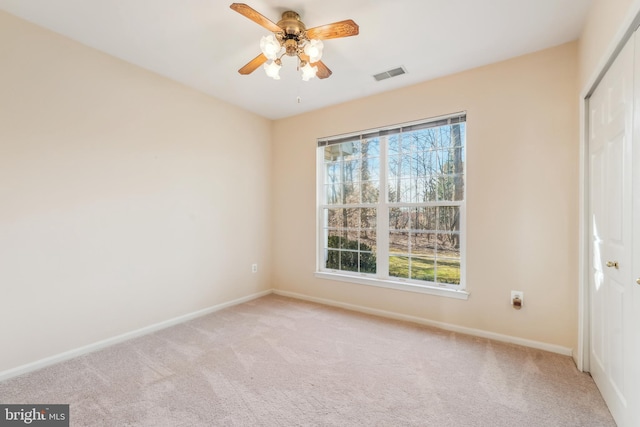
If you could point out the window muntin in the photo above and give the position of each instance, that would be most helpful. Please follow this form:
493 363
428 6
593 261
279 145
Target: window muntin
392 203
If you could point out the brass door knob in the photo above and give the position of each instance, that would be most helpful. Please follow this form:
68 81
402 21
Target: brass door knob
638 281
613 264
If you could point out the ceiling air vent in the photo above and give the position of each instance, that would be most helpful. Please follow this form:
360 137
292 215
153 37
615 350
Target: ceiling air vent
391 73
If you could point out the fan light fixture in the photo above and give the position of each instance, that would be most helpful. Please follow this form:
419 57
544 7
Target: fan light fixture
292 42
270 46
273 69
290 37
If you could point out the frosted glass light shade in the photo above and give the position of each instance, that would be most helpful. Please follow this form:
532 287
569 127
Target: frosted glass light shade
273 70
313 49
308 72
270 46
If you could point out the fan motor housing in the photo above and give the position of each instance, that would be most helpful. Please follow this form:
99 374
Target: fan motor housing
291 24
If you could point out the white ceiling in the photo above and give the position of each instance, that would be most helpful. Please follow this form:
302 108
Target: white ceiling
202 43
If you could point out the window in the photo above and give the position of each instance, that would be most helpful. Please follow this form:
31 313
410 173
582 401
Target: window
391 204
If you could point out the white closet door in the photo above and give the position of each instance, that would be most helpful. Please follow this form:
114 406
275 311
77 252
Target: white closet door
613 320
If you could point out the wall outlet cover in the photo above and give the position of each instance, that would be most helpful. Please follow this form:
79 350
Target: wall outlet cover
517 294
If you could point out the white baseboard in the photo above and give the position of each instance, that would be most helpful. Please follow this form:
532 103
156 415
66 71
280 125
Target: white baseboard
42 363
446 326
61 357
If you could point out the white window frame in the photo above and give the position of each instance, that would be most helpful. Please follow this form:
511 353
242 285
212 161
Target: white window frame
381 278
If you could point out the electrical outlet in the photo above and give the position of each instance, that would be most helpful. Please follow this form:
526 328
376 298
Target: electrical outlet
517 299
254 268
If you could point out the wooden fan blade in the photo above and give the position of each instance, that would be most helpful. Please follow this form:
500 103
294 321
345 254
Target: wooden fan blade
336 30
253 64
256 17
323 70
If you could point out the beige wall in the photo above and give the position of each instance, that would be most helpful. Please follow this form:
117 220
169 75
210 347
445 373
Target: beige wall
522 201
127 199
605 21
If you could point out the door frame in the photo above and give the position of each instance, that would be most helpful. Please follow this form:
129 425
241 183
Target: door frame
624 33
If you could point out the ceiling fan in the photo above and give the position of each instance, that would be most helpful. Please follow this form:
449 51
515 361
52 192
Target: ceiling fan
291 37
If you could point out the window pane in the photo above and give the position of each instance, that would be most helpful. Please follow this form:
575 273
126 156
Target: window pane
394 166
431 138
425 219
334 239
443 162
417 190
370 191
333 260
352 217
450 188
405 143
368 218
335 218
332 153
351 150
368 240
449 218
332 172
399 242
399 218
367 262
449 244
414 189
350 240
350 193
370 167
399 266
407 167
333 193
370 147
394 190
458 181
393 142
457 135
425 163
424 244
404 191
349 261
431 189
352 171
422 268
448 270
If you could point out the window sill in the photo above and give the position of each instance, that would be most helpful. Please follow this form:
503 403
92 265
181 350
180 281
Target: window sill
410 287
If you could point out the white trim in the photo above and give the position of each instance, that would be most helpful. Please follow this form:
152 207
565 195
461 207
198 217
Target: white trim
635 236
391 284
61 357
581 355
565 351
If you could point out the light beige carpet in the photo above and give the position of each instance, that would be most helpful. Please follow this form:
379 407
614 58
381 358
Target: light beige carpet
281 362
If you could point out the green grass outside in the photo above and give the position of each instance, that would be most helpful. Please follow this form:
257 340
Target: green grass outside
424 269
